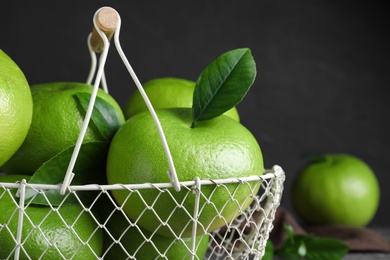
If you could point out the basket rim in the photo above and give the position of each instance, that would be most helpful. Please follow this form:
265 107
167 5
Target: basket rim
275 172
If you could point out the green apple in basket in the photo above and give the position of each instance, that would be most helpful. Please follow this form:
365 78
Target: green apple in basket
64 232
59 109
203 143
123 240
59 112
15 107
165 93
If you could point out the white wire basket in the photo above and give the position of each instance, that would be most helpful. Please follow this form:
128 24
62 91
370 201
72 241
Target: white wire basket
243 237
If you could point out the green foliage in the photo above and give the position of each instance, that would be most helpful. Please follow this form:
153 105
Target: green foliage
104 116
223 84
306 246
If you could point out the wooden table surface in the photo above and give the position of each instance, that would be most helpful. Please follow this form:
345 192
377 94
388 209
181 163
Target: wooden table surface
371 255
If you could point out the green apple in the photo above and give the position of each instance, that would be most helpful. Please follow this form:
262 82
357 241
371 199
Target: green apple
58 114
214 149
143 244
68 232
16 107
336 189
166 93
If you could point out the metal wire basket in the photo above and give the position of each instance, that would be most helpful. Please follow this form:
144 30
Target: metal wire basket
243 237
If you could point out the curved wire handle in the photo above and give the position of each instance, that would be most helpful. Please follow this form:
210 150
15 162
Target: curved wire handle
93 66
172 170
100 78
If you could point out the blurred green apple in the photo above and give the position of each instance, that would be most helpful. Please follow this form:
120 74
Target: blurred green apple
336 189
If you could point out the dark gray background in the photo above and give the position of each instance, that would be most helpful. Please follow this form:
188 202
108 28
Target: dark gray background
322 84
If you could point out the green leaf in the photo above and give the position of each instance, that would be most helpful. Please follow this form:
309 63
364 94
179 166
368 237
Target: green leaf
294 247
104 116
289 230
302 250
223 84
269 251
89 168
309 247
322 248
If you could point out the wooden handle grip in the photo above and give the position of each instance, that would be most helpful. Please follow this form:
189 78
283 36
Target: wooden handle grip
107 20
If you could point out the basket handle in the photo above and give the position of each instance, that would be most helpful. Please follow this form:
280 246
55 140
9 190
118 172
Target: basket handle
172 170
107 22
103 18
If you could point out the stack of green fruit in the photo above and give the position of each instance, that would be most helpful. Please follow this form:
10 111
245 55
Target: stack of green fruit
40 125
205 138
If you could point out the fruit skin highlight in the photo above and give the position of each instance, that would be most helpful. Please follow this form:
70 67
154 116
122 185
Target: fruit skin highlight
15 107
166 92
56 124
336 189
214 149
47 223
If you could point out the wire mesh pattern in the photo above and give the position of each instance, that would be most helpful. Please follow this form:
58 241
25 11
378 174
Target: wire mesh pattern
244 237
